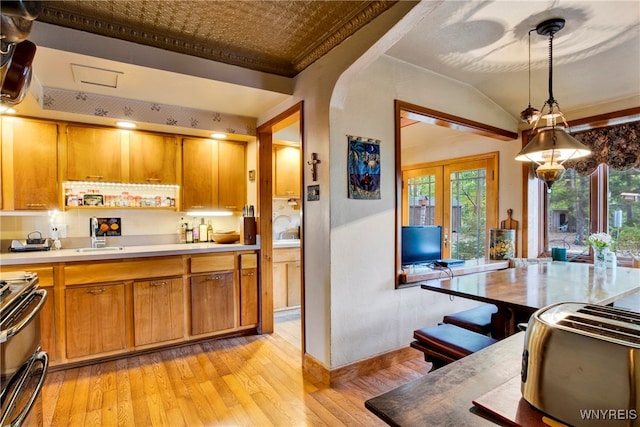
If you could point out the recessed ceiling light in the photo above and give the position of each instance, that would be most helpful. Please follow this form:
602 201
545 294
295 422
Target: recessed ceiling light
218 135
126 125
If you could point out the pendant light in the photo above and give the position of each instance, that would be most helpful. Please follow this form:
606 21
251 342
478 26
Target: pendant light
529 114
552 145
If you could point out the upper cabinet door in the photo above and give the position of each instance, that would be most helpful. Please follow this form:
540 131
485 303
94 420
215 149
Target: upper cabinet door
232 187
30 175
199 173
94 154
286 171
152 158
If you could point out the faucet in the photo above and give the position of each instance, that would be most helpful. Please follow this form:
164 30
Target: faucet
96 242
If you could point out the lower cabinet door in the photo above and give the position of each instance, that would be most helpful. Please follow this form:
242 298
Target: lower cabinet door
158 310
293 284
279 285
248 296
212 302
95 319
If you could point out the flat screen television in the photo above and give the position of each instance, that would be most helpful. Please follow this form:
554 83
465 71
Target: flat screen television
421 244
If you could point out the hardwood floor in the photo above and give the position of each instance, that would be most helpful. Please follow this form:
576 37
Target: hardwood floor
245 381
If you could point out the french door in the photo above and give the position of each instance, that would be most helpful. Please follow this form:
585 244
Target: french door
460 195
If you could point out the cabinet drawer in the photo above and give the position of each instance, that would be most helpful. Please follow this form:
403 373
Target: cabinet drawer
248 261
286 254
101 272
204 263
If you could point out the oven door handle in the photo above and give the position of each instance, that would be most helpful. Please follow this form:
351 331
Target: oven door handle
43 358
5 334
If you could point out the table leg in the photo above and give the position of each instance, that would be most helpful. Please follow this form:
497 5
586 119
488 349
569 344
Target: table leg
504 322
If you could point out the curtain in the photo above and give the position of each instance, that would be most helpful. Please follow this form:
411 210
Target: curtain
617 146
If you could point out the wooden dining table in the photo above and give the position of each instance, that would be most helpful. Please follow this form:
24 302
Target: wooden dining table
519 292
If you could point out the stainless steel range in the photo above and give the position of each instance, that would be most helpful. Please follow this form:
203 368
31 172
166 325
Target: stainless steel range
23 366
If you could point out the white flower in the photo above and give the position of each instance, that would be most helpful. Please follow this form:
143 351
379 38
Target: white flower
599 240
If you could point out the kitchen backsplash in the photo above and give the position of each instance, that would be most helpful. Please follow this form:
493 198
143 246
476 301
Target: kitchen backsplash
286 218
140 227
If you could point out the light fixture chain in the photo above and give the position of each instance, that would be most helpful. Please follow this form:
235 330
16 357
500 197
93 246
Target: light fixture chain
551 101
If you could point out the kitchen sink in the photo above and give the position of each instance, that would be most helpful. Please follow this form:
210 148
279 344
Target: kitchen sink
102 249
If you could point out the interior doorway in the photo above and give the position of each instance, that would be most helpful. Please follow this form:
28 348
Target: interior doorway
280 149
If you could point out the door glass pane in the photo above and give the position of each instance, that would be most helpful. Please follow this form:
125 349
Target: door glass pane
468 214
624 211
568 221
422 191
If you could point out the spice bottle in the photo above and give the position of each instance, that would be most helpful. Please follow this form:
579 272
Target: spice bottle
203 231
189 234
210 232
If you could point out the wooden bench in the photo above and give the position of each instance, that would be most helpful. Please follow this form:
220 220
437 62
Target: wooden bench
477 319
446 343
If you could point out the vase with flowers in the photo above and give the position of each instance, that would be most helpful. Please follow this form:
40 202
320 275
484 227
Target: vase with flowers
600 242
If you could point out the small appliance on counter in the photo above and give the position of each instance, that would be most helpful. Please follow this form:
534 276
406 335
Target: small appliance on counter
580 364
33 243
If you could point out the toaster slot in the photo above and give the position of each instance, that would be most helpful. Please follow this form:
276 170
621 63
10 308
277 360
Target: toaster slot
611 313
602 329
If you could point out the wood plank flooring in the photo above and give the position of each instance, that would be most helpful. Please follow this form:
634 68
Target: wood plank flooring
245 381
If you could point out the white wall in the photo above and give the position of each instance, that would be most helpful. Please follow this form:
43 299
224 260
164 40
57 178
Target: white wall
368 315
352 309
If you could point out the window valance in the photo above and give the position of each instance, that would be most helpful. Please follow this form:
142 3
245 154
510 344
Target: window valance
617 146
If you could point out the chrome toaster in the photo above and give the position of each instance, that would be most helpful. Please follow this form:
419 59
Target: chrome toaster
581 364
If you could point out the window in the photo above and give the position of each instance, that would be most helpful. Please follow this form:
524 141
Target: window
458 194
598 193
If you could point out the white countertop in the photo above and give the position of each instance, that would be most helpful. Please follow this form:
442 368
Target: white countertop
70 255
286 243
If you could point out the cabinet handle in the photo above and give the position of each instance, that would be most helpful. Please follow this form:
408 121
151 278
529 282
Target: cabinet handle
153 179
215 277
96 291
197 207
251 273
231 207
163 283
36 205
94 177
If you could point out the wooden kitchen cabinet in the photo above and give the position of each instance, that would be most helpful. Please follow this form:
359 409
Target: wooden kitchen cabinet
29 164
213 174
213 295
248 289
153 158
93 154
286 166
232 175
95 319
199 173
158 310
293 284
286 278
212 302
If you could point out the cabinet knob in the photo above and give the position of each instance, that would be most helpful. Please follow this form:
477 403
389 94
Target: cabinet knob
96 291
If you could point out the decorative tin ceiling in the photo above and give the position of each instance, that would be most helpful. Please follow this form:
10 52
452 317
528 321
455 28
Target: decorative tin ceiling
280 37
